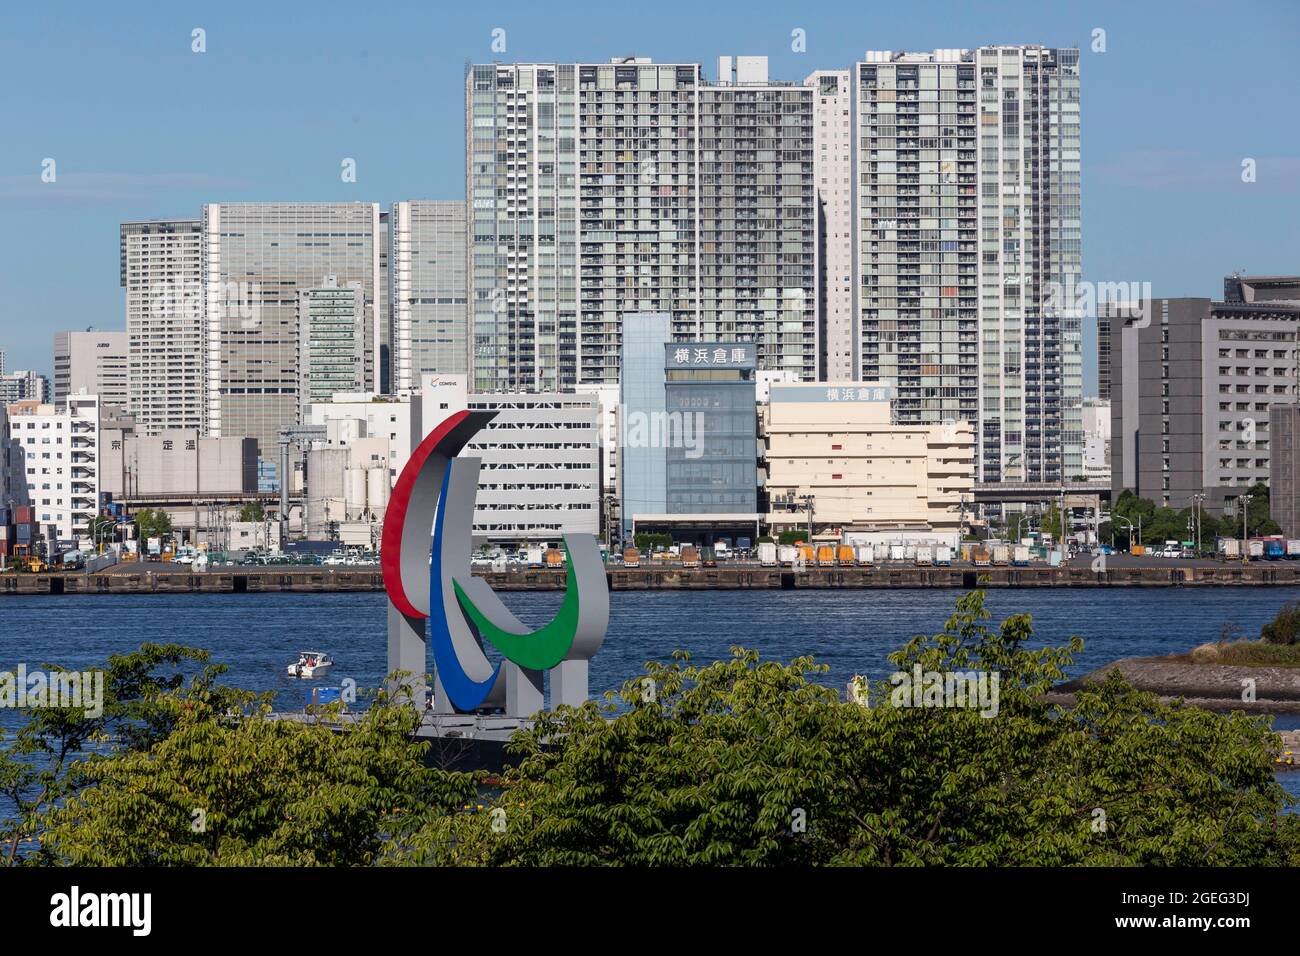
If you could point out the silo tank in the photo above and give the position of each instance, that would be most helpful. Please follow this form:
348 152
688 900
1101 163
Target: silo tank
377 499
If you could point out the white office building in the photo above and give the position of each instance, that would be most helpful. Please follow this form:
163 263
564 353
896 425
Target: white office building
540 476
428 288
833 134
54 463
598 190
968 219
161 272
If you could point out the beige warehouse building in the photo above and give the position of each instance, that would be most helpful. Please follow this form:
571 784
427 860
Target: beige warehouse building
870 480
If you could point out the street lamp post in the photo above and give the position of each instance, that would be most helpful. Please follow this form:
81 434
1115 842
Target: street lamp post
1113 519
1196 519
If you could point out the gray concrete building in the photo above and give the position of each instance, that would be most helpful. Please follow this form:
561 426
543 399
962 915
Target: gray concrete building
1191 385
93 362
256 257
176 463
1284 467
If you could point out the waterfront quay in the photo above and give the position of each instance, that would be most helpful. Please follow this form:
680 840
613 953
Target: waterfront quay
163 578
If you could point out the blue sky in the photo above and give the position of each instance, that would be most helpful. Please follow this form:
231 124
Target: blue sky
142 127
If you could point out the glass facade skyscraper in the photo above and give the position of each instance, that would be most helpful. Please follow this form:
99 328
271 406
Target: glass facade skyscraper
642 470
709 390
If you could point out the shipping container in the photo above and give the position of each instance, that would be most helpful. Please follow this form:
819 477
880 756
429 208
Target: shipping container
631 558
980 557
943 555
1293 548
1230 548
1274 548
23 514
825 555
690 556
866 554
554 558
844 554
1001 555
1020 555
924 556
897 552
786 554
1255 548
767 554
536 556
806 553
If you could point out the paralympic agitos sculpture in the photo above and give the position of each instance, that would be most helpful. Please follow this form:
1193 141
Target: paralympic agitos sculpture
430 580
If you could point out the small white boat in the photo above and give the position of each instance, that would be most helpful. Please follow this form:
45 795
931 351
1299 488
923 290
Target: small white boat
311 664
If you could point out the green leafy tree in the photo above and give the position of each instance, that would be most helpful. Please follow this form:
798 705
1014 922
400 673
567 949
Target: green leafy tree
792 536
1052 522
237 790
252 511
648 541
1285 626
751 762
152 523
42 764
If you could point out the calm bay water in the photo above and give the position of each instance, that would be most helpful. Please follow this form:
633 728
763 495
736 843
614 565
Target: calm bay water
257 635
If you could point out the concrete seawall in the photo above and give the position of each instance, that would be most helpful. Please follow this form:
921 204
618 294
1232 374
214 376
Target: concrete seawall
162 579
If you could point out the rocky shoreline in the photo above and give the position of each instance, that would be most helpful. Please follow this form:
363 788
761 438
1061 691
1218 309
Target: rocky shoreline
1217 687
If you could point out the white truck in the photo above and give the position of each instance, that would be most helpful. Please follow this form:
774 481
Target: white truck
1256 549
943 555
924 556
866 554
536 556
1020 555
897 552
1001 555
786 555
1293 547
767 554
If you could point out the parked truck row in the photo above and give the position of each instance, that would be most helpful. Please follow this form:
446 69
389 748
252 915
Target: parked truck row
1271 548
